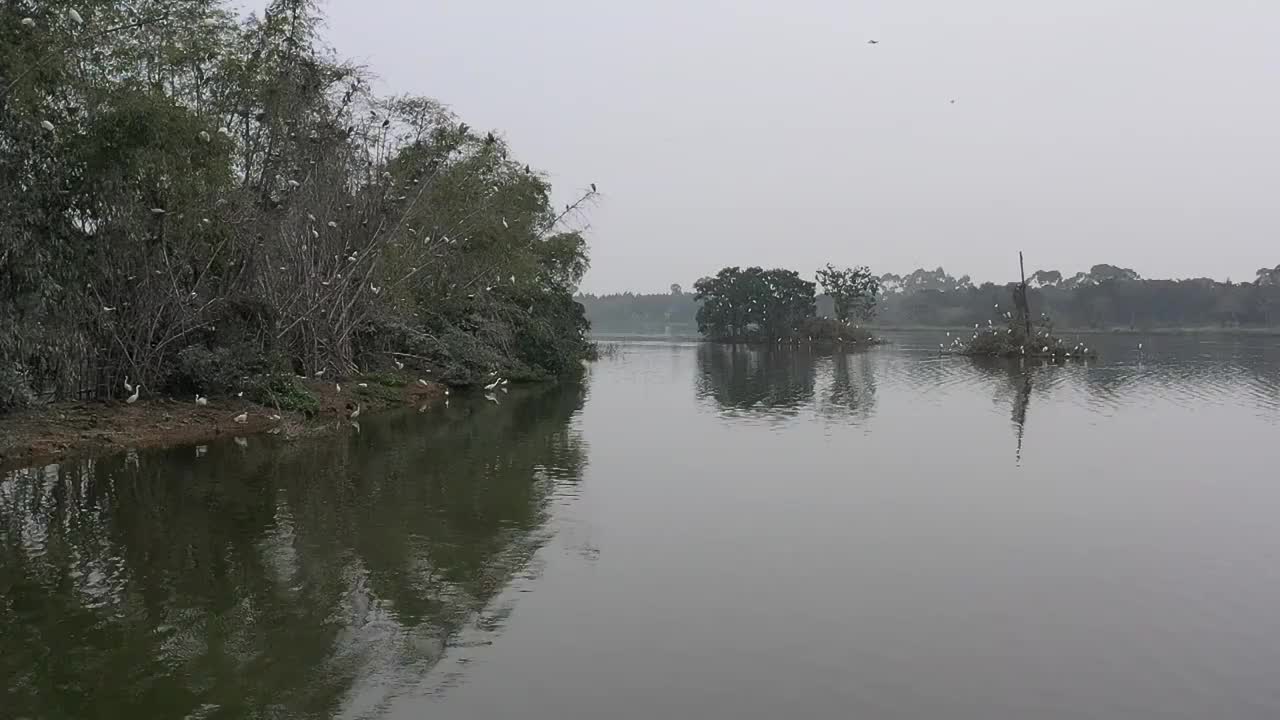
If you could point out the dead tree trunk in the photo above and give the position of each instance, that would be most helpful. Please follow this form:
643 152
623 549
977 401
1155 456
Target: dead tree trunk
1020 298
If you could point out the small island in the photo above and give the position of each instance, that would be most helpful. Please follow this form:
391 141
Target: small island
779 307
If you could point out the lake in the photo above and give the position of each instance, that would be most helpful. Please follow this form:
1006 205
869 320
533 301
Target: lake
693 531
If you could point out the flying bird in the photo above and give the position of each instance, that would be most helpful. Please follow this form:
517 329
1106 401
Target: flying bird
873 42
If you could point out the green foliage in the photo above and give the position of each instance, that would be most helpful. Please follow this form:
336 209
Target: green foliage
214 196
754 304
285 392
852 291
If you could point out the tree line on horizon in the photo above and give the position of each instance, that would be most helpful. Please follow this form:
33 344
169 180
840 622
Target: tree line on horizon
1105 297
189 199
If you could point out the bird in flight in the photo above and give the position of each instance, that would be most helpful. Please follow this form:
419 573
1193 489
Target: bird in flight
873 42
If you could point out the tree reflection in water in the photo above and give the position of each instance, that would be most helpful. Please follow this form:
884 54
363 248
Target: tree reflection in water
274 579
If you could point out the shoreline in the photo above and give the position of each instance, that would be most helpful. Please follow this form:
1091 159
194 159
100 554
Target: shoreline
76 429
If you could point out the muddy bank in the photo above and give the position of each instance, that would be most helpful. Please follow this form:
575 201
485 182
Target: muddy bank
63 430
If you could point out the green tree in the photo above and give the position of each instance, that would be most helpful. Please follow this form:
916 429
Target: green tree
852 290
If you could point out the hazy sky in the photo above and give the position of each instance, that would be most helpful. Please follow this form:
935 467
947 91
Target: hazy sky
1143 133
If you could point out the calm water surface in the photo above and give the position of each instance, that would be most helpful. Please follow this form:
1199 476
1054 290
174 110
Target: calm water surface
695 531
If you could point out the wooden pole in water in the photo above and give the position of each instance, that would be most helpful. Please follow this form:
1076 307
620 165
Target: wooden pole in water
1020 297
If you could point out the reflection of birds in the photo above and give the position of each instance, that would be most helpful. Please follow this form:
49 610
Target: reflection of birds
491 398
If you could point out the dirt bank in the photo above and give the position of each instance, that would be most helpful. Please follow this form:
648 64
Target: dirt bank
63 430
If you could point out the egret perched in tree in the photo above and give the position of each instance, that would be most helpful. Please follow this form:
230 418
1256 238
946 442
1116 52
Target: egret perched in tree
204 136
201 401
48 126
1046 349
28 22
134 397
75 16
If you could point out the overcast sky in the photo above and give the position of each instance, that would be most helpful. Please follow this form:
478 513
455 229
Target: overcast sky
1143 133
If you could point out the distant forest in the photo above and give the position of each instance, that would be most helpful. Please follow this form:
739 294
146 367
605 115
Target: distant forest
1104 298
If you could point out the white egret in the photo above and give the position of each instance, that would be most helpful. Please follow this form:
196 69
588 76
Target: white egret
320 373
241 419
362 385
75 16
157 211
48 126
1045 349
423 383
28 22
204 136
274 418
337 387
134 397
354 413
201 401
333 224
127 386
504 223
294 184
493 385
399 365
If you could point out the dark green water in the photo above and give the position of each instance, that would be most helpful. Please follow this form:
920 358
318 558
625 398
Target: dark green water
695 531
